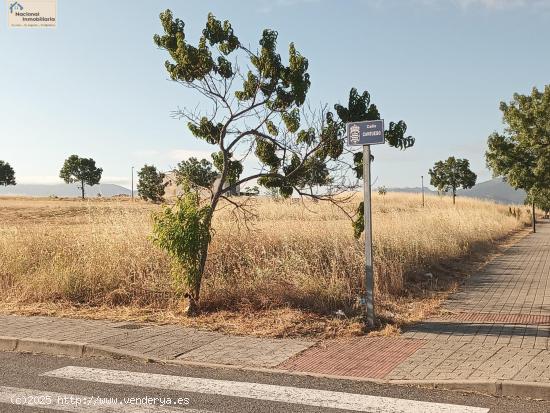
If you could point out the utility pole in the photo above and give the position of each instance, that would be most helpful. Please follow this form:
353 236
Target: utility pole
132 183
422 177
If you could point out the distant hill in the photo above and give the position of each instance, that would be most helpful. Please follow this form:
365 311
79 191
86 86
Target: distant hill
63 190
496 190
412 190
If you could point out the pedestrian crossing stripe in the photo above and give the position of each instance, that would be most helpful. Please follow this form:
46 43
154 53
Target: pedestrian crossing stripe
260 391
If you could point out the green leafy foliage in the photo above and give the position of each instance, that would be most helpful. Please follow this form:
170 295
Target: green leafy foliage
266 152
292 120
151 184
7 174
220 34
452 174
522 153
183 231
233 168
189 62
540 197
359 222
206 130
81 170
193 174
359 109
332 143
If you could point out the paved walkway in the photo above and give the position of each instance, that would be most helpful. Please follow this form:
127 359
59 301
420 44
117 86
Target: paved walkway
169 342
497 327
508 303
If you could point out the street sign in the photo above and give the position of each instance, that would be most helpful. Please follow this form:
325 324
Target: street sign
367 132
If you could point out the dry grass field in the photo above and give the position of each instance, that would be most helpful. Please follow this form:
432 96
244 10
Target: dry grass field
286 275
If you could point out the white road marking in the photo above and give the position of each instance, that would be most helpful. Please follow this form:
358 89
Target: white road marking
82 404
294 395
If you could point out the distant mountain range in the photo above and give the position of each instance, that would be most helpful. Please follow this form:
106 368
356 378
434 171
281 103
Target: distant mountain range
63 190
496 190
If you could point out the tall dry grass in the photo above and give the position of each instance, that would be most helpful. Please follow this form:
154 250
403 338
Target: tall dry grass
304 256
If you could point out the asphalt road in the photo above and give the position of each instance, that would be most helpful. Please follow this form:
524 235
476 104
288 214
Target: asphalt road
105 385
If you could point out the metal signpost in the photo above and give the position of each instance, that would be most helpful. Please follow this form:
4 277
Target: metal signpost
366 133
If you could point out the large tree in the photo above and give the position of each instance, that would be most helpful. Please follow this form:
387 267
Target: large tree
82 171
521 154
151 185
256 107
452 174
7 174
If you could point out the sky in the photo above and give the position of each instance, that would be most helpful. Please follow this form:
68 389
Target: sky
96 85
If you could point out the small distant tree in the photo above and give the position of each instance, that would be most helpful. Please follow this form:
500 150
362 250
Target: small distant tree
7 174
252 191
82 171
382 190
451 175
195 175
151 184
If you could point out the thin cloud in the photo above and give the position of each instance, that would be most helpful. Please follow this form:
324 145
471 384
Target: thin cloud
181 154
489 4
493 4
267 6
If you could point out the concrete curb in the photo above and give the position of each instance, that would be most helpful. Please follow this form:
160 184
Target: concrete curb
53 347
506 388
70 349
93 350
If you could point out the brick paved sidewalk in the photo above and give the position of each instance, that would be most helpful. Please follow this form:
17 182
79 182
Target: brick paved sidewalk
169 342
496 328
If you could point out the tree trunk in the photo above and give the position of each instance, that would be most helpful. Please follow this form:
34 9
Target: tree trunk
454 196
193 309
194 295
82 188
534 218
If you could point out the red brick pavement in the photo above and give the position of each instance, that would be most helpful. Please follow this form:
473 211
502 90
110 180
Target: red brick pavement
524 319
357 357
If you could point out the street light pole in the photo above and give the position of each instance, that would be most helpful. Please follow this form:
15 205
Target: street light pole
422 177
